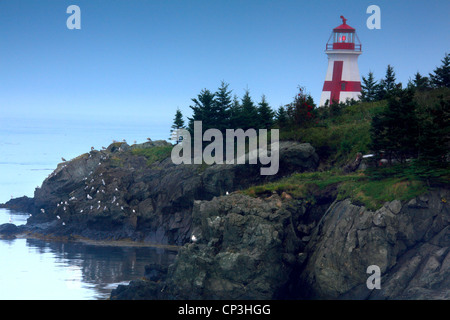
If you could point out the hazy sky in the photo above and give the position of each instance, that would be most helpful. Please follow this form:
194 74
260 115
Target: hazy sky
141 59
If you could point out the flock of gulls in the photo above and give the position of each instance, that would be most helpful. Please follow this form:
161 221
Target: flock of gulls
93 189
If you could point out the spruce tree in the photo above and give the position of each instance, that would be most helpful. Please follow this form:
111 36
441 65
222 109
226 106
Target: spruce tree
420 82
441 76
369 88
235 114
178 122
265 114
203 110
394 132
281 117
249 113
221 107
387 85
434 138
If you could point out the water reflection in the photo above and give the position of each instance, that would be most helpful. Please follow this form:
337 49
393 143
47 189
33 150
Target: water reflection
40 269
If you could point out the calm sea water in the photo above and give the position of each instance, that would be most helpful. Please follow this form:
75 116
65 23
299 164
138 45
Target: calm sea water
36 269
30 149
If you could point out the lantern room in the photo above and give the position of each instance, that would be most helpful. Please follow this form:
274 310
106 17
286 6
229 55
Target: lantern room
344 37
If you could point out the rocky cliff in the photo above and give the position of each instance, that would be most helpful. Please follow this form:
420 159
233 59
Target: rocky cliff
233 246
273 248
121 193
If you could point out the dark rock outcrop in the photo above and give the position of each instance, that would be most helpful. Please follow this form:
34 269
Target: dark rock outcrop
116 194
409 242
8 231
24 204
247 248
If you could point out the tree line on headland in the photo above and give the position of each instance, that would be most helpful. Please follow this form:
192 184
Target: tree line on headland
405 123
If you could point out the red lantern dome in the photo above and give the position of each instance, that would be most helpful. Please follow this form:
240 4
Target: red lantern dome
344 37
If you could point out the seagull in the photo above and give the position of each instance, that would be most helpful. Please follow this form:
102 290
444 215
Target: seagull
63 159
58 217
64 208
81 211
103 181
134 211
89 197
99 201
31 215
63 223
121 208
227 193
42 210
65 202
194 238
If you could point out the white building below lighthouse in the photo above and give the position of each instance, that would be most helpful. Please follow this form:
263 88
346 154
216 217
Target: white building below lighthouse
342 81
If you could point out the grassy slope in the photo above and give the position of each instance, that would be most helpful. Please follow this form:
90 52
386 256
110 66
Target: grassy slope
337 140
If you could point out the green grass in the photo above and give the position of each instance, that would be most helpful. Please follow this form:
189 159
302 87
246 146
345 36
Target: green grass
154 154
338 139
360 188
373 194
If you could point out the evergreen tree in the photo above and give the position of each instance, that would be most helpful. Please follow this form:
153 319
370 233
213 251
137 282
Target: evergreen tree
221 108
394 132
203 110
441 76
265 114
235 114
281 117
369 88
248 117
420 82
178 122
387 85
434 138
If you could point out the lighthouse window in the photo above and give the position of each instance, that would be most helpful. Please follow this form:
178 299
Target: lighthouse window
342 85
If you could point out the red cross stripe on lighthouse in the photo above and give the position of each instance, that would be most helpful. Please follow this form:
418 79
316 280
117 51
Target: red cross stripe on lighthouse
337 85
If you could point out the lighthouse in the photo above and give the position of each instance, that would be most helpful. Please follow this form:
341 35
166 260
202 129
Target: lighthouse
342 81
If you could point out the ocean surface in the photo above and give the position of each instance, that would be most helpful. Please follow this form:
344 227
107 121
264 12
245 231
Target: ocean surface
33 269
30 150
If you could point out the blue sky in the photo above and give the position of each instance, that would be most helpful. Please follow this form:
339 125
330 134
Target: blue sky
140 60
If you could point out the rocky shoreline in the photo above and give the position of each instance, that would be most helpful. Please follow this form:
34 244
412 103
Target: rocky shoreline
232 246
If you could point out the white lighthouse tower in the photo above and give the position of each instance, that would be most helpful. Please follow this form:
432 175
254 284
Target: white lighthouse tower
342 81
